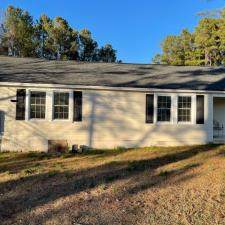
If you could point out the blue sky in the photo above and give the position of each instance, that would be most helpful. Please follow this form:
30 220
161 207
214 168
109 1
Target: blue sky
134 27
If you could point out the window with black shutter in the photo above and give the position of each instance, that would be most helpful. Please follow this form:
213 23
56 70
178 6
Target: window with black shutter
149 108
20 104
200 109
77 98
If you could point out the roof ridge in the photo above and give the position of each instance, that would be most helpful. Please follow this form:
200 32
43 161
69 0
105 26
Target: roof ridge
107 63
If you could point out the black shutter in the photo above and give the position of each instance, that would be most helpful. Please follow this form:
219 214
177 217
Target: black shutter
20 104
2 120
200 109
77 111
149 108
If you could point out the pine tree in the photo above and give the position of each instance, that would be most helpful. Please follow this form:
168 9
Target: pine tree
19 32
205 46
157 59
88 46
107 54
43 40
47 38
172 51
207 38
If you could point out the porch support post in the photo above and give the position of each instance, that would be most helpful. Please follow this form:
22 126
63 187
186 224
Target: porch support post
209 117
71 106
193 112
49 105
27 105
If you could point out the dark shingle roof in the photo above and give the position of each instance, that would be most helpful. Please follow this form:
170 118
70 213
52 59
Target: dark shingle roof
29 70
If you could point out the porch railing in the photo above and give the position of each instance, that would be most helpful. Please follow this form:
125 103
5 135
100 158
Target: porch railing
218 129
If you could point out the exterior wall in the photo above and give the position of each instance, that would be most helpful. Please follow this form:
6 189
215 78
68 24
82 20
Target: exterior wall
110 119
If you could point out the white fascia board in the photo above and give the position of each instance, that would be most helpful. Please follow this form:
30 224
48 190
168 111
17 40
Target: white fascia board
83 87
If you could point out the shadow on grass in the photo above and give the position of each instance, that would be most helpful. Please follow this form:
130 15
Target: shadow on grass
16 162
26 193
175 176
221 151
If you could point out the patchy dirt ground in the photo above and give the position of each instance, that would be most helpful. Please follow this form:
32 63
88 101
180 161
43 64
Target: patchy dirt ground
155 186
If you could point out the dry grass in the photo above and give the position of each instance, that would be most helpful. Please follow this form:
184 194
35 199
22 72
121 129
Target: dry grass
155 186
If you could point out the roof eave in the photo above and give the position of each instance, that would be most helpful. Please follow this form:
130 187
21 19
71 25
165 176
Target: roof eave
107 88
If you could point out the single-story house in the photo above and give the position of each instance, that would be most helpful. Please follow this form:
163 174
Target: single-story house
106 105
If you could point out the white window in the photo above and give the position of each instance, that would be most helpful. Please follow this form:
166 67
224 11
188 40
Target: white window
164 109
37 105
184 109
61 105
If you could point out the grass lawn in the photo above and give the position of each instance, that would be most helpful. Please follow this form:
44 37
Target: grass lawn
155 186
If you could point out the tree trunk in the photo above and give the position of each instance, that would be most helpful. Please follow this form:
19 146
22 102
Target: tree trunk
207 60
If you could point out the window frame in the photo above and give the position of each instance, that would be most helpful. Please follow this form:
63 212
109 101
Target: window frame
53 106
171 108
191 109
29 109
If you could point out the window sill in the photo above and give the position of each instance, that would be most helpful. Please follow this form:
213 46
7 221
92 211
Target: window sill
61 120
185 123
33 119
164 122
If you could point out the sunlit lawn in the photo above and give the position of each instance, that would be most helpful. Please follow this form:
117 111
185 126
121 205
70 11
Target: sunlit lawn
156 186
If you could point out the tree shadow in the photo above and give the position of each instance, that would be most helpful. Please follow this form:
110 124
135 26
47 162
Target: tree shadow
174 176
29 192
96 208
221 152
11 163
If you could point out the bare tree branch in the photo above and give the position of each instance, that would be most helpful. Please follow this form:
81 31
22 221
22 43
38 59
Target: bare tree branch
2 16
210 13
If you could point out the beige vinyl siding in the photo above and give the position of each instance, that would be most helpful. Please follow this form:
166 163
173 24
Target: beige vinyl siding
110 119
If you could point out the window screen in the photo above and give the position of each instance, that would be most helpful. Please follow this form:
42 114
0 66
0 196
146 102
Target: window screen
61 105
184 108
164 108
37 105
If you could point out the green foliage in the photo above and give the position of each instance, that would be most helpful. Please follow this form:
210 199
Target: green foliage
208 39
157 59
88 46
43 39
223 13
3 47
47 38
173 52
19 32
65 39
107 54
205 46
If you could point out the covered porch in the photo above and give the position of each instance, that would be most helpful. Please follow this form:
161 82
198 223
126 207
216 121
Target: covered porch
219 119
